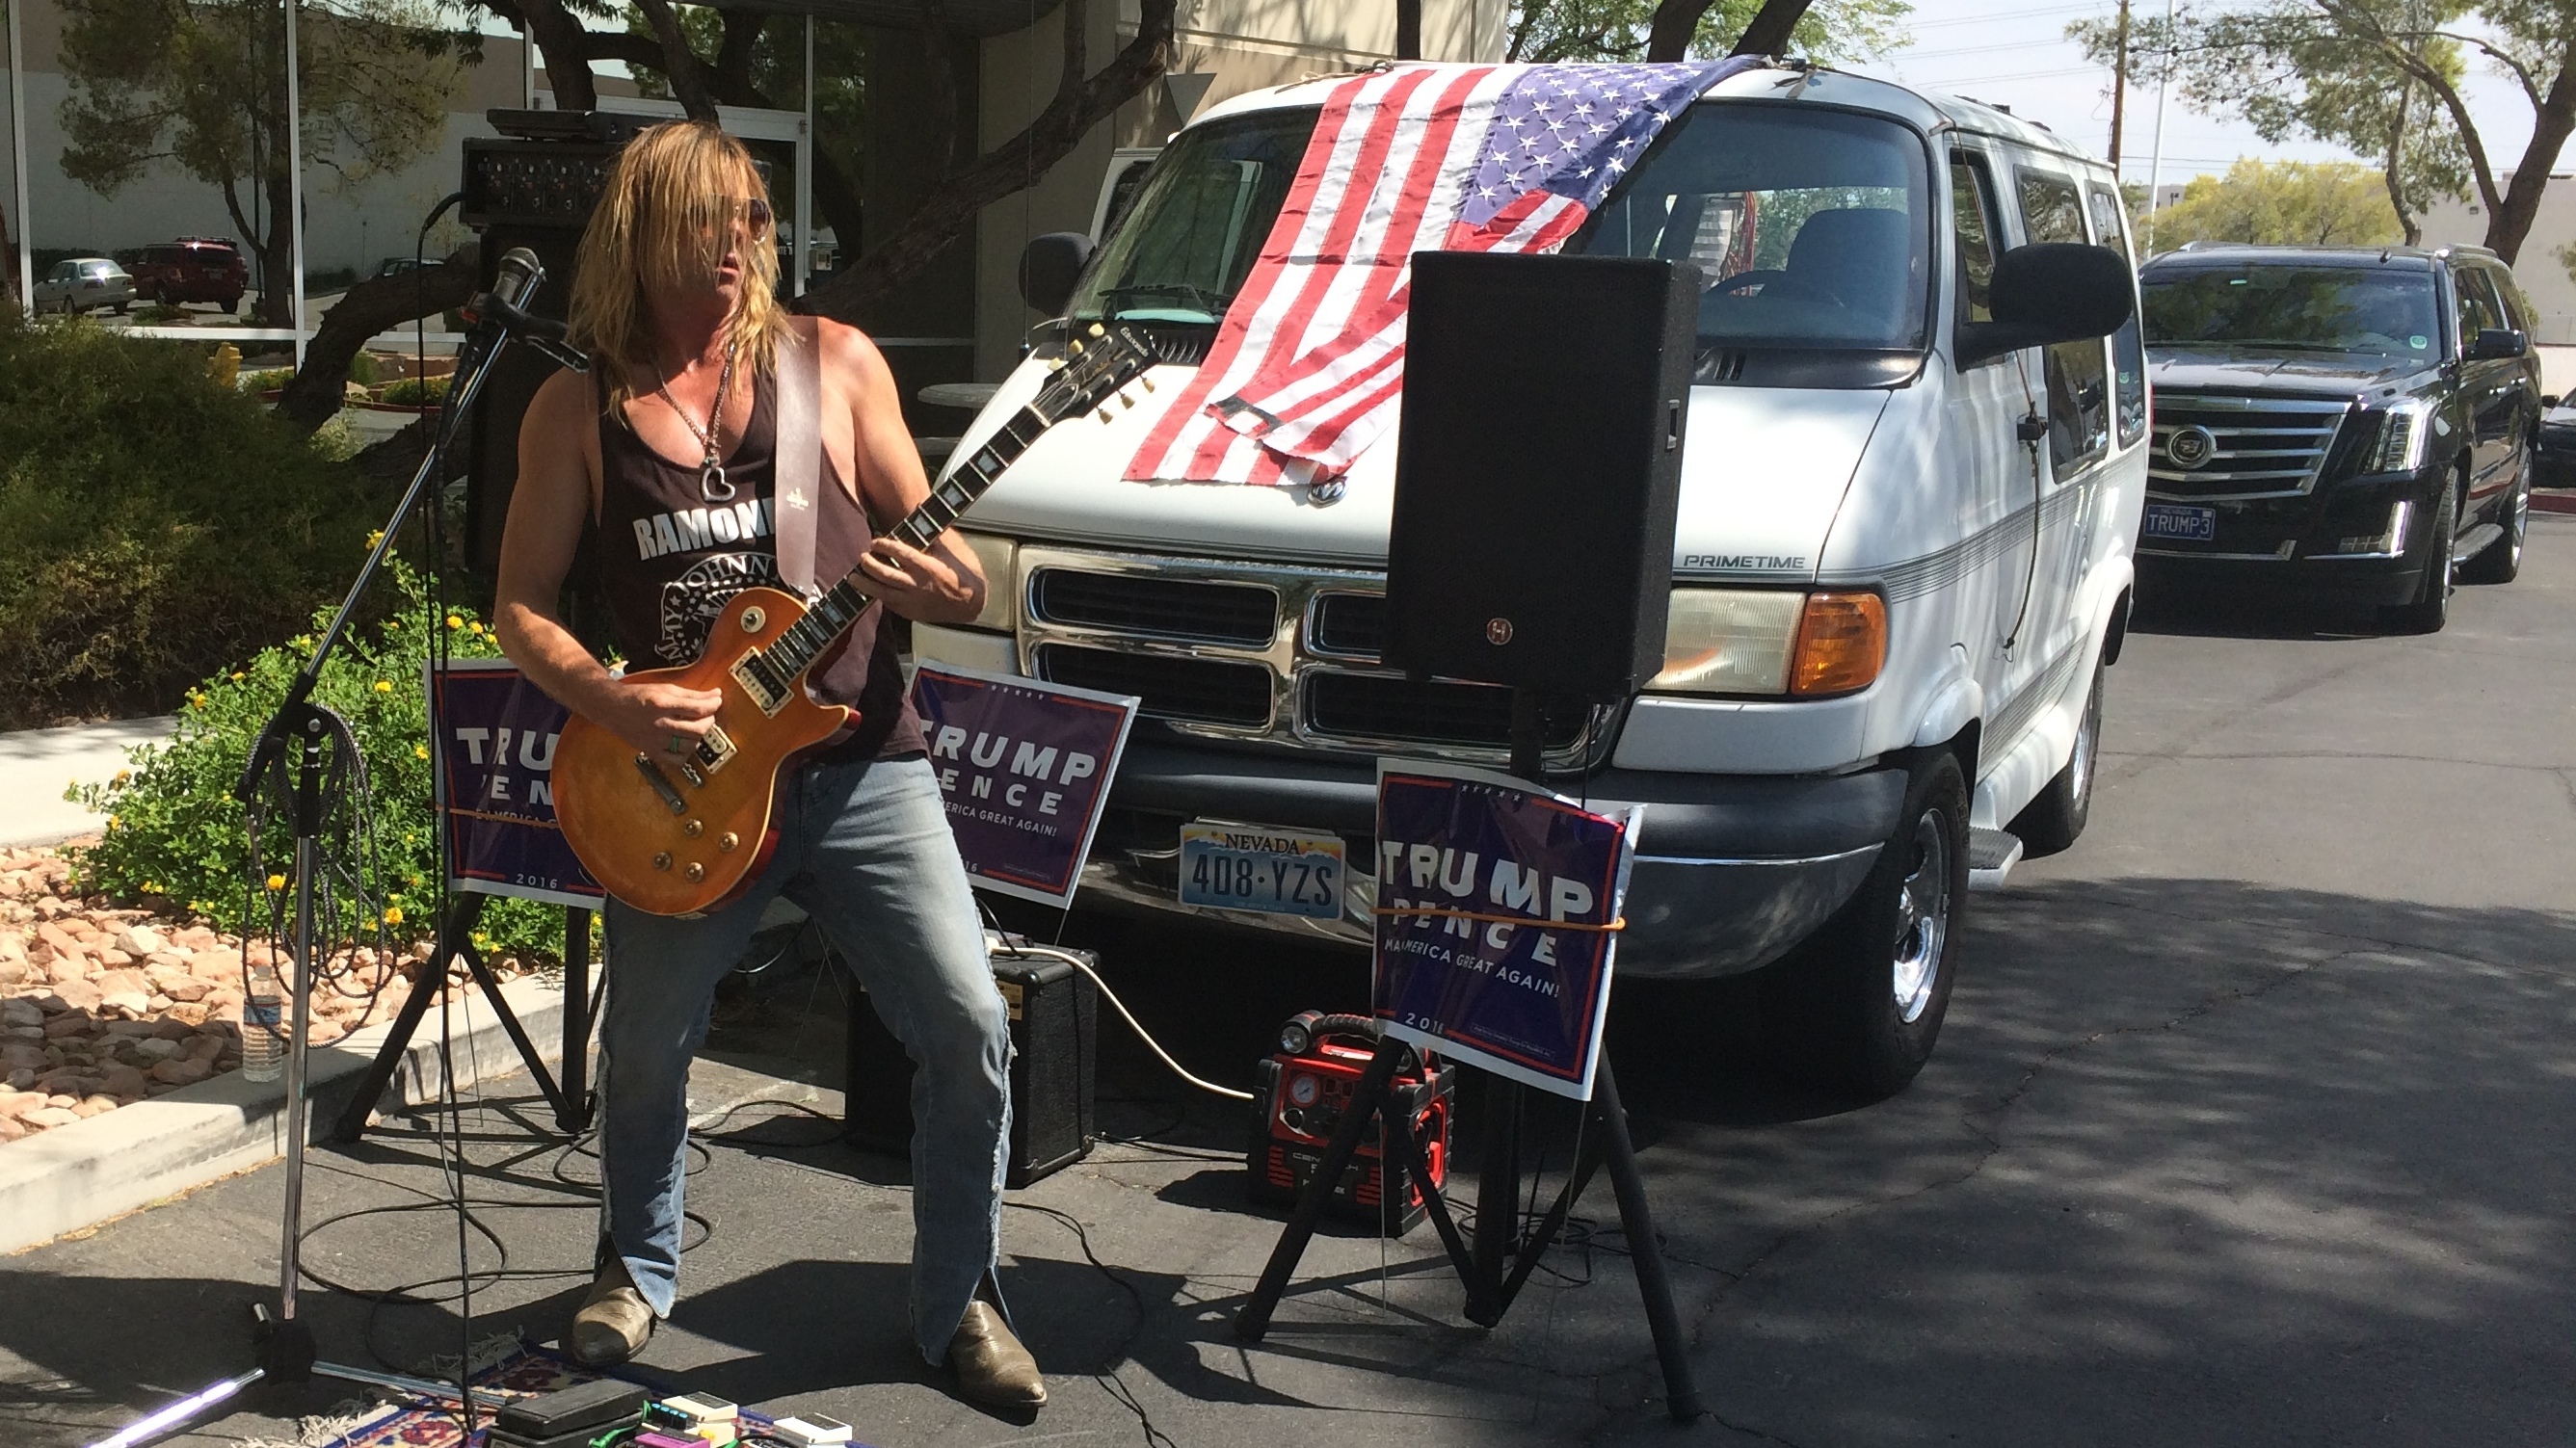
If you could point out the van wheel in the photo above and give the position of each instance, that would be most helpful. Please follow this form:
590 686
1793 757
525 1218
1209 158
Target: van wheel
2431 608
1859 1005
2501 561
2051 822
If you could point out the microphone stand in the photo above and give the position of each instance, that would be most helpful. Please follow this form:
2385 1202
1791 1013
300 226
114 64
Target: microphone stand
282 1343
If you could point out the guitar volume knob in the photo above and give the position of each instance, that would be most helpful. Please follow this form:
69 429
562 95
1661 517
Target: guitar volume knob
695 872
694 828
662 861
727 841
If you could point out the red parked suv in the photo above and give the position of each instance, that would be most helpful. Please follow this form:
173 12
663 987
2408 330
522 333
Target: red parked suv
191 269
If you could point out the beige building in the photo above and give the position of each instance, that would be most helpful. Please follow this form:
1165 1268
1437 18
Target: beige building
962 317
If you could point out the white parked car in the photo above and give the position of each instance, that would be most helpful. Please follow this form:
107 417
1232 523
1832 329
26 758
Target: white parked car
1910 493
84 284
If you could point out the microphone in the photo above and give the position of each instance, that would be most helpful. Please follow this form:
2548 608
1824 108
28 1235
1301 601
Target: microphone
520 276
501 314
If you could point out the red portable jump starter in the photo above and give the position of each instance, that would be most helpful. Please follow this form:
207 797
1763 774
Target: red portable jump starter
1303 1092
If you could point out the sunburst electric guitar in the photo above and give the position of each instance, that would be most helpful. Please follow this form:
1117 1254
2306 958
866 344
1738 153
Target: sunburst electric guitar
676 834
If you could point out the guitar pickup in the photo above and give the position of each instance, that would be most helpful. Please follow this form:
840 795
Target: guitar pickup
759 682
716 749
661 785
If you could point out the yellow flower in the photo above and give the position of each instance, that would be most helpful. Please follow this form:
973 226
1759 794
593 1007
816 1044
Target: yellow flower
384 687
237 676
454 622
111 821
474 628
418 751
277 882
393 623
415 882
376 537
122 776
393 915
151 889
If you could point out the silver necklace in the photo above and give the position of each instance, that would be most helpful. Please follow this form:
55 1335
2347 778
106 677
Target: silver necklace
713 486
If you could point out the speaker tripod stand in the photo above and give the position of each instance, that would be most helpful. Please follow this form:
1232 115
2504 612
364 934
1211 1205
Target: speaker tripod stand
1499 1261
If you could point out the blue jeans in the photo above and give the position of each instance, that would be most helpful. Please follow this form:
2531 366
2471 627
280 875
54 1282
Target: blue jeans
864 848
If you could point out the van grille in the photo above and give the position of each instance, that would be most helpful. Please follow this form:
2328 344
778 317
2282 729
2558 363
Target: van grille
1172 608
1349 623
1172 687
2256 447
1381 706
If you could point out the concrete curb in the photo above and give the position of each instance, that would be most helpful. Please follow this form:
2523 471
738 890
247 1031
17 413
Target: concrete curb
76 1176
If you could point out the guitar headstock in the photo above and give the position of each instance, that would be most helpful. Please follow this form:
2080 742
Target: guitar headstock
1097 365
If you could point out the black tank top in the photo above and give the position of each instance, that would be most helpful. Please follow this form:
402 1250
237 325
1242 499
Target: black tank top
669 560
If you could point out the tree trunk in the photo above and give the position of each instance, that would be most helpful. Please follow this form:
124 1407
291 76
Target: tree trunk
372 306
561 38
679 63
1769 31
2392 171
277 249
1080 103
2509 224
1675 22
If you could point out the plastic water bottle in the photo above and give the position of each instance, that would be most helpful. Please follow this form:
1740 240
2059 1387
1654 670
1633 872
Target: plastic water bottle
262 1029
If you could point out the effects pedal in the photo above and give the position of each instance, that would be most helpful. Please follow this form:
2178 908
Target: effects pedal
1301 1094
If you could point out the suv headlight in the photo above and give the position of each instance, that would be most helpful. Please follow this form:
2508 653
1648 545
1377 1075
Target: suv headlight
2399 448
1764 641
1000 560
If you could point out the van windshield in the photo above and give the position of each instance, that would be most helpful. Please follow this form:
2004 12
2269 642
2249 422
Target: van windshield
2298 308
1810 228
1193 232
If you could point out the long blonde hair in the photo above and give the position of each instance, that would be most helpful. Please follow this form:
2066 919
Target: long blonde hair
664 220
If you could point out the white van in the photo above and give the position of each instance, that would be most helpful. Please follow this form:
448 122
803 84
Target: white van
1913 478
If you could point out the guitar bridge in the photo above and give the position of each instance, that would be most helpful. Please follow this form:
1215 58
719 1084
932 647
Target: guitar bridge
760 682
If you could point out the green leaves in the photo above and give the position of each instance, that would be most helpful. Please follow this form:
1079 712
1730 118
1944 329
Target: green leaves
175 837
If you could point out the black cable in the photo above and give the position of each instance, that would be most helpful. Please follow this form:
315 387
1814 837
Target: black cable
1109 1380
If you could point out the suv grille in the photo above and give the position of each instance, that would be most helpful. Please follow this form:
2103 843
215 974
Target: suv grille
2254 448
1171 686
1172 608
1381 706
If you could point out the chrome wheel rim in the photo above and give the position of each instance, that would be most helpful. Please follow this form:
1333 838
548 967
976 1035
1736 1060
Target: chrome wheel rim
2086 735
2521 512
1922 918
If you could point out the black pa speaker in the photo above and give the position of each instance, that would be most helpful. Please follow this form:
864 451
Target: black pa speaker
1055 1023
1538 470
535 186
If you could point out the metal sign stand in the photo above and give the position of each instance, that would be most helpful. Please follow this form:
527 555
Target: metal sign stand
1491 1286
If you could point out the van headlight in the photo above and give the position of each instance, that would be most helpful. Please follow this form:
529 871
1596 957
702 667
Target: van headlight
1000 560
2399 448
1766 641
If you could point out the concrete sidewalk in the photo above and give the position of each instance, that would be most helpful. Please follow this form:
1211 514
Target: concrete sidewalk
36 764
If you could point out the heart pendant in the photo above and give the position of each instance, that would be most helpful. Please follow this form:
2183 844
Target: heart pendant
713 485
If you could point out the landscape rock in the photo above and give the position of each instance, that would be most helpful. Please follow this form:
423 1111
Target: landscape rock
51 1116
16 972
71 995
182 1072
122 1081
19 1103
70 1023
12 1129
21 1077
140 940
156 1047
21 1013
67 967
94 1106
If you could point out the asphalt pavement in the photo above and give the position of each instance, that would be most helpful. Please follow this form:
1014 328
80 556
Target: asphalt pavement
2246 1127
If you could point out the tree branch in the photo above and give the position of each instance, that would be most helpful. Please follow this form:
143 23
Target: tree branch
1768 32
372 306
1080 103
679 63
1668 36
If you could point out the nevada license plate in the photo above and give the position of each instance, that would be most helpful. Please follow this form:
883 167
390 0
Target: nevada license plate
2172 520
1263 869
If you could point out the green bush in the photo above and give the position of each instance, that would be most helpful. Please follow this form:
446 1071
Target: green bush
267 379
363 370
154 525
174 836
416 391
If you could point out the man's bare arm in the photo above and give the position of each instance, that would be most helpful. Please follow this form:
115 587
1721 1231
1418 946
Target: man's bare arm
943 584
547 511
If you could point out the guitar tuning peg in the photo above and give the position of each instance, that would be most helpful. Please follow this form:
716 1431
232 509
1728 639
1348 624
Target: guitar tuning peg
1055 364
1074 347
1098 331
1105 418
1146 382
1126 401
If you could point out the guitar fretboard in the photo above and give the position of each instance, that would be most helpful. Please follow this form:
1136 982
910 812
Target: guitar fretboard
840 605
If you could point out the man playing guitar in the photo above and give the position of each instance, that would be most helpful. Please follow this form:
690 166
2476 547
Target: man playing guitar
669 449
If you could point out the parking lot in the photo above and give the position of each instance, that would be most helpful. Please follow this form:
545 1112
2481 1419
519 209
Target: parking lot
2247 1127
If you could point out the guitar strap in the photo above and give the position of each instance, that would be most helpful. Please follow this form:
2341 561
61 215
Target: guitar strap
799 453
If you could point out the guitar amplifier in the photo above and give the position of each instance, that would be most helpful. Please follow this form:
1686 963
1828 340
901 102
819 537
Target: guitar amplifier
1055 1031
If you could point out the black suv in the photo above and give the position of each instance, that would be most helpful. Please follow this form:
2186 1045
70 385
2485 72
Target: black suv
2344 421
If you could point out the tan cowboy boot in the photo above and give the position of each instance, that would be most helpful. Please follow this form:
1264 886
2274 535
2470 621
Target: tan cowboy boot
992 1368
614 1321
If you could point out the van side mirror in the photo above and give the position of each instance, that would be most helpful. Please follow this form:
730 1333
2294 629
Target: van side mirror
1050 265
2499 344
2050 292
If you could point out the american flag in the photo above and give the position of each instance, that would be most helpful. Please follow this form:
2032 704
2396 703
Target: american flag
1308 365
